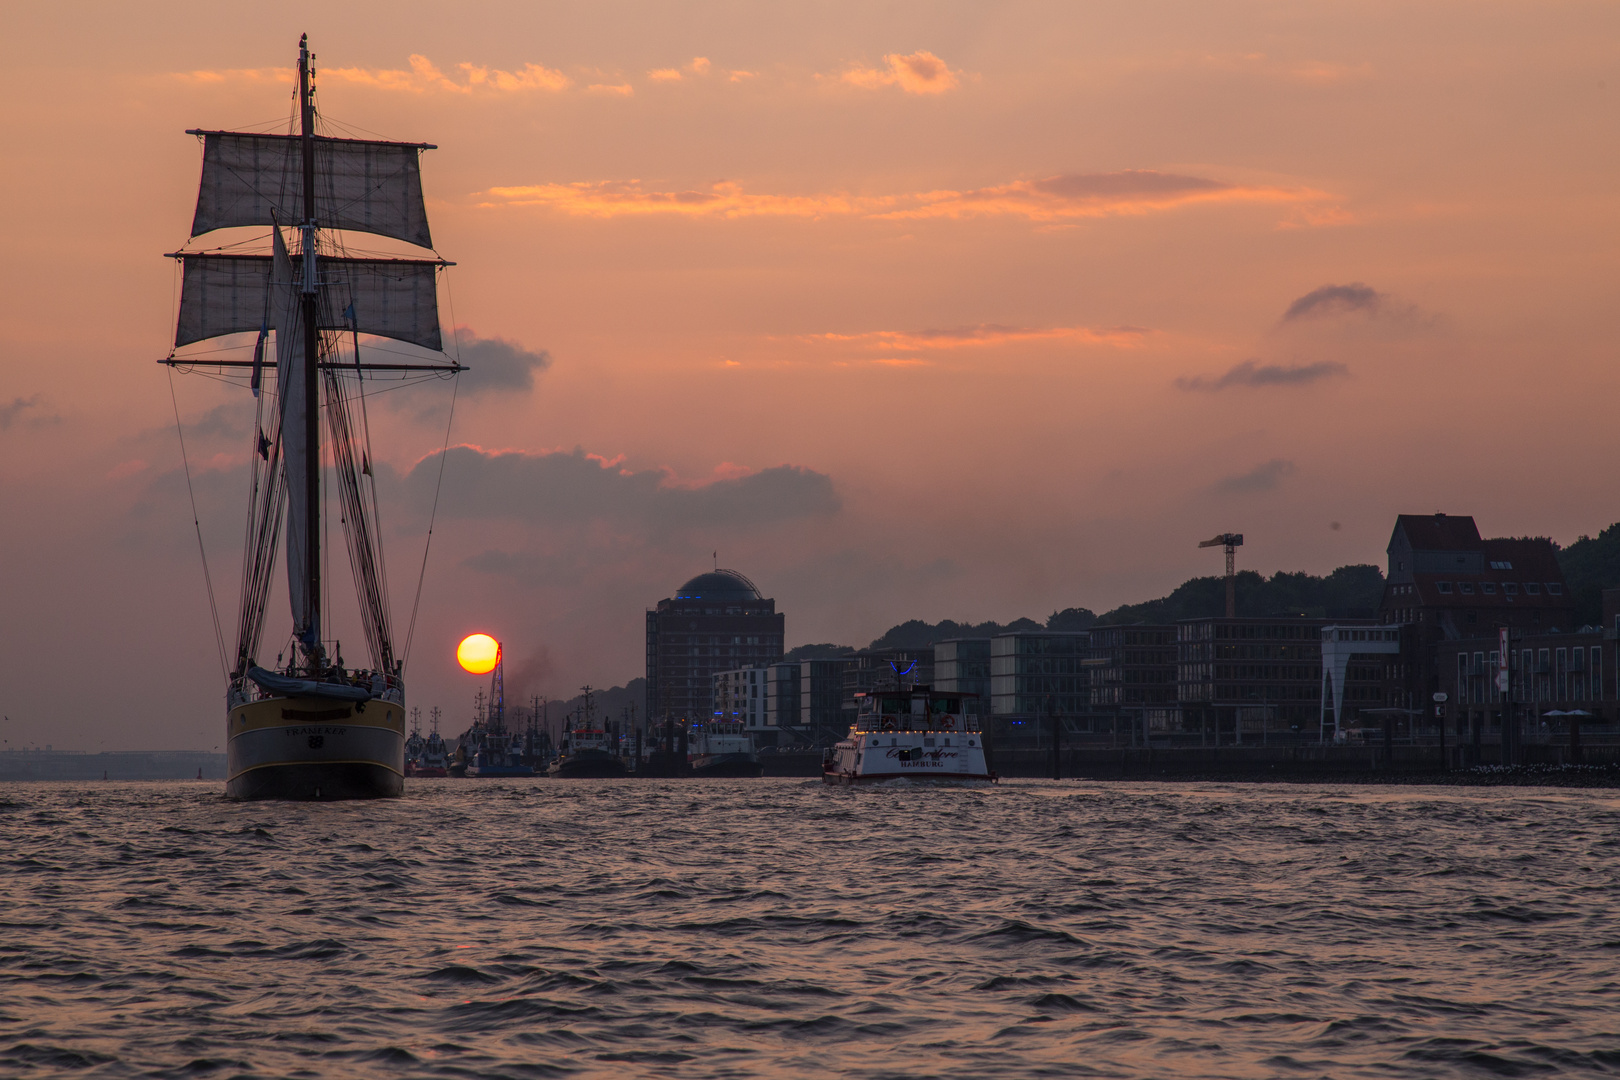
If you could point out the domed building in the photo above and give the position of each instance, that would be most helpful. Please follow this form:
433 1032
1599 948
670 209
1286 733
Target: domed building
716 622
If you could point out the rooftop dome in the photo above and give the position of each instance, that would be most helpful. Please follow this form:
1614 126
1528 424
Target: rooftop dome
726 585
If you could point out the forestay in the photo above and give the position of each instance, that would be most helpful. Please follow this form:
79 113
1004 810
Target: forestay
366 186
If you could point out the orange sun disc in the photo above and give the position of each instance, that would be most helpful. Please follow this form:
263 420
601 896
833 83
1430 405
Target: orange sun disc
479 654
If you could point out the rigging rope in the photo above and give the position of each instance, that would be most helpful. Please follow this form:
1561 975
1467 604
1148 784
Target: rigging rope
416 605
213 608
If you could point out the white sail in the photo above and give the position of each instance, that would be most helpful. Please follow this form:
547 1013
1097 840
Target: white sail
291 374
373 187
230 294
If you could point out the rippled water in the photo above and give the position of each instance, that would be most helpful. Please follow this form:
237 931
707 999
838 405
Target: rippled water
774 928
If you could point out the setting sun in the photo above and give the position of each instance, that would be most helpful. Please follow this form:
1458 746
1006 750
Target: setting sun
479 653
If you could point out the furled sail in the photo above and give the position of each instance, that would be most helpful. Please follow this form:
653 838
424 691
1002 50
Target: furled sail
291 376
368 186
230 294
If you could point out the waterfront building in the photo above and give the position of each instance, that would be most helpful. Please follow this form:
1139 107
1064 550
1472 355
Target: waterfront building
1446 583
764 698
1557 672
1132 673
1039 673
1248 677
821 700
962 666
717 621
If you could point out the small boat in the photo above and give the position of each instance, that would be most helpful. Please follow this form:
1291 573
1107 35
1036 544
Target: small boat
491 750
911 733
721 748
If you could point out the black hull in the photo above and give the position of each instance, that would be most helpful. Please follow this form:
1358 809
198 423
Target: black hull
590 769
317 780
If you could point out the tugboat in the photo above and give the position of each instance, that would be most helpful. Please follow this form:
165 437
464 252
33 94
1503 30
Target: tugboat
432 758
309 728
415 746
912 734
721 748
587 752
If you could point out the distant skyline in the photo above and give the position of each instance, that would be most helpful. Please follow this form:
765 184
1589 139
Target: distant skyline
928 311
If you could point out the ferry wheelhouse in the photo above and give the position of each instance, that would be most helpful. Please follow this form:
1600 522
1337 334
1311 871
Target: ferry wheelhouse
916 734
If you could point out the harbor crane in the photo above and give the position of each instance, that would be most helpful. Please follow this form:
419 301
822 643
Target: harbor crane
1231 542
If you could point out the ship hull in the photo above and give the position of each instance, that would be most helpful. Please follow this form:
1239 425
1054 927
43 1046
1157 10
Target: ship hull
315 748
727 765
487 771
591 767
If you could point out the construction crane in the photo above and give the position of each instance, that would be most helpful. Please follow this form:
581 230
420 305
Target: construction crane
1231 542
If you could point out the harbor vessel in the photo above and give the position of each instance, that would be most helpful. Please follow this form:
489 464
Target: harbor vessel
722 748
910 734
587 751
307 727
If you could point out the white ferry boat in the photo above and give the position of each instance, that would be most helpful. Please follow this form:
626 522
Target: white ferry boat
915 734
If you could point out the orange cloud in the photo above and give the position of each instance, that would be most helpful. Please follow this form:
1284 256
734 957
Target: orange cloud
920 72
253 75
621 89
423 77
698 66
1054 199
1089 195
607 199
984 334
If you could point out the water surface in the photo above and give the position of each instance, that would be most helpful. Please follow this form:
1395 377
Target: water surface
746 928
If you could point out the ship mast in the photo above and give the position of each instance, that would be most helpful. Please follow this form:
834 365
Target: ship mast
312 354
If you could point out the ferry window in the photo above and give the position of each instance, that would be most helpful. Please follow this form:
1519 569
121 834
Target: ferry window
972 743
893 705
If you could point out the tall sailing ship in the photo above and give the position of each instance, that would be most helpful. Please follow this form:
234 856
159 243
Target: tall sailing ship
309 728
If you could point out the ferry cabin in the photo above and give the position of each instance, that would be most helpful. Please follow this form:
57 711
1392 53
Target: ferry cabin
917 733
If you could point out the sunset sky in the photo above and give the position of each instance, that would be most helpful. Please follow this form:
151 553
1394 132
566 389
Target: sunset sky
963 311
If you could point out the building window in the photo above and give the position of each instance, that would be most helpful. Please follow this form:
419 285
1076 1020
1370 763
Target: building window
1466 588
1510 588
1554 589
1443 587
1597 673
1487 588
1532 588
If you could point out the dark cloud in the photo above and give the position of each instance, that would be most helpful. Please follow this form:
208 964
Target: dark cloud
1335 299
1260 478
24 409
1254 373
496 363
573 487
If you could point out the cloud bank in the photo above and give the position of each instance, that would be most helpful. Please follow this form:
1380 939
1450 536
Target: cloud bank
1254 373
422 77
574 487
